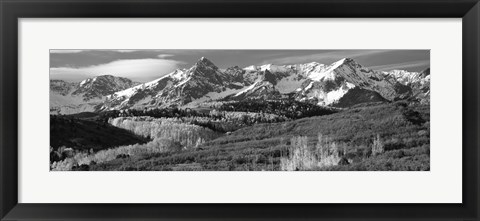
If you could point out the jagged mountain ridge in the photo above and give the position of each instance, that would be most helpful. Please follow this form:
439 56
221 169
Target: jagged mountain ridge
68 98
177 88
103 85
343 83
312 82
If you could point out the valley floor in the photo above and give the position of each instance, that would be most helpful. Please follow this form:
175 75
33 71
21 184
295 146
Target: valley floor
367 137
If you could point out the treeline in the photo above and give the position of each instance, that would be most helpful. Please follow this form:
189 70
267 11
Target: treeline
155 113
186 135
228 121
219 121
230 116
289 108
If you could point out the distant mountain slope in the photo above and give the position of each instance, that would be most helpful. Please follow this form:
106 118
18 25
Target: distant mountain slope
69 98
418 82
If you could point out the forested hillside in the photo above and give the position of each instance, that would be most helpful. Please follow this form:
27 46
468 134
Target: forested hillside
368 137
86 134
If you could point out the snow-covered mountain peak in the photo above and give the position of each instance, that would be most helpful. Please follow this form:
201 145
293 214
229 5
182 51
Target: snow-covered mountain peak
88 82
318 72
311 64
203 61
269 67
346 68
104 84
406 77
265 67
344 61
307 67
398 73
250 68
273 68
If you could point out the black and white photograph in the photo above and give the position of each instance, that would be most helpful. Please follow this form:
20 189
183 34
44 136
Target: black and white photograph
239 110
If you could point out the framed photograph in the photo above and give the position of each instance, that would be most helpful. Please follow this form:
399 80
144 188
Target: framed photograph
255 110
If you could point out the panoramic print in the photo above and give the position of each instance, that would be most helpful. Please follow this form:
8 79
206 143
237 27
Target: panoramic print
239 110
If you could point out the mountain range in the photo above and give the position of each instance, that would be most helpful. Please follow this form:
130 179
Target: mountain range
70 98
341 84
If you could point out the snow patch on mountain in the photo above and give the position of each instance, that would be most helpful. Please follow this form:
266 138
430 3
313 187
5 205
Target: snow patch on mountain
335 95
246 89
250 68
212 96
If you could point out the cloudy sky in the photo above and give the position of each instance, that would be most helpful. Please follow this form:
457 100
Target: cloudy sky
146 65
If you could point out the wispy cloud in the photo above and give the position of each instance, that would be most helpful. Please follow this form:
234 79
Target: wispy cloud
165 55
126 50
73 51
135 69
328 56
65 51
400 66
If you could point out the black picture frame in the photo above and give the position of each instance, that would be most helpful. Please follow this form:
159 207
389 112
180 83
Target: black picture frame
11 10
